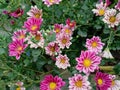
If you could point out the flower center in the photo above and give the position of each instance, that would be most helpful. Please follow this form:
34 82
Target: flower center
100 81
22 36
18 88
87 62
62 60
101 12
112 19
67 31
52 86
51 1
52 49
78 83
37 15
94 44
19 48
64 41
34 27
38 37
57 30
113 83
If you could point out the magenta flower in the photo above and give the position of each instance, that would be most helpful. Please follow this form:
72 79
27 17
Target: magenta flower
19 12
94 44
58 28
102 80
70 23
67 30
107 3
33 25
79 82
118 6
20 34
16 48
52 49
87 62
51 83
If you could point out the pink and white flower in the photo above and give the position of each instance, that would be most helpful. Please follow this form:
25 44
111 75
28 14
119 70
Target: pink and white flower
87 62
35 12
118 5
58 28
79 82
71 24
51 83
94 44
62 61
112 18
20 86
67 30
16 48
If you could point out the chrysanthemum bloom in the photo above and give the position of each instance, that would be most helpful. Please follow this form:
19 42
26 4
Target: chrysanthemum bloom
102 80
35 40
70 23
107 54
94 44
64 40
35 12
117 6
87 62
58 28
67 30
52 48
20 34
51 83
19 12
20 86
79 82
62 61
32 24
112 18
16 48
115 84
100 9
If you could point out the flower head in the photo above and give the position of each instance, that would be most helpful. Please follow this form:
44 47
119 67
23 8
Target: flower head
94 44
16 48
118 6
67 30
58 28
102 80
70 23
79 82
62 61
20 86
51 83
87 62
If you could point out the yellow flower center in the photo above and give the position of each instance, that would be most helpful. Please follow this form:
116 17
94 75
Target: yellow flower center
51 1
64 41
113 83
37 15
52 86
94 44
18 88
19 48
100 81
78 83
22 36
62 60
87 63
37 37
34 27
67 31
57 30
101 12
52 49
112 19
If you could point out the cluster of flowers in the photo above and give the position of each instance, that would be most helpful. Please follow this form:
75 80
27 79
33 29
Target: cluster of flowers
111 16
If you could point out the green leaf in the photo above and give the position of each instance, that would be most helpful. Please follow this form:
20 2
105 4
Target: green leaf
82 33
2 51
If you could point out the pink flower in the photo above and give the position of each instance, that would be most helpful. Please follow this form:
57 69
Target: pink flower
58 28
87 62
35 12
16 48
51 83
20 86
20 34
107 3
67 30
94 44
102 80
118 5
71 24
33 25
19 12
52 48
62 61
12 22
63 40
79 82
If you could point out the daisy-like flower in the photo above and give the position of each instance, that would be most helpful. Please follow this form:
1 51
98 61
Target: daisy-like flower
100 9
35 12
52 48
58 28
71 24
107 54
79 82
112 18
32 24
67 30
64 40
51 83
20 34
87 62
20 86
102 80
16 48
94 44
36 40
62 61
118 6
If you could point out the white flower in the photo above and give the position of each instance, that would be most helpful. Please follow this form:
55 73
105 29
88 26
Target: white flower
107 54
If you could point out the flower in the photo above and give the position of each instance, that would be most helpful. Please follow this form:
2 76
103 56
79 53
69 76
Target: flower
35 12
63 41
112 18
107 54
16 48
70 23
20 86
20 34
107 2
79 82
67 30
62 61
100 9
94 44
35 40
118 6
52 48
51 83
87 62
17 13
102 80
32 24
58 28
